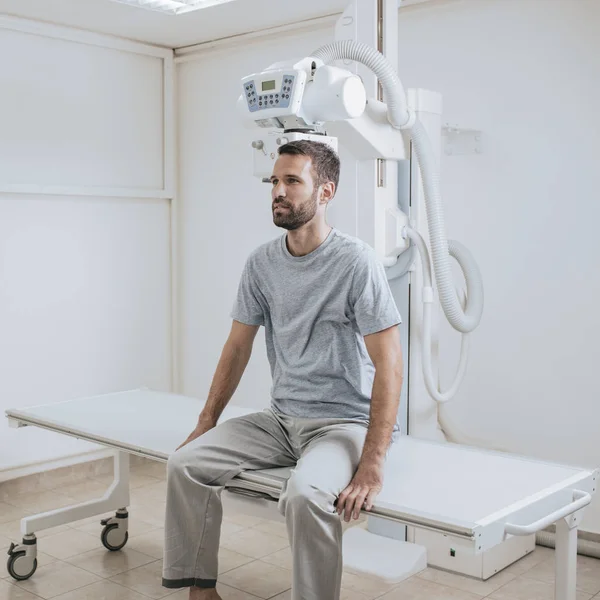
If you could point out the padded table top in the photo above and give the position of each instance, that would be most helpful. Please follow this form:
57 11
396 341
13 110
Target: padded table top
436 482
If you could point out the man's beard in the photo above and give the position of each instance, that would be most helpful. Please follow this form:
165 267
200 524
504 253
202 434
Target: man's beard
291 218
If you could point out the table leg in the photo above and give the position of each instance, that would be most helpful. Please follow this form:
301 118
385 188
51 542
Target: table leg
566 559
22 561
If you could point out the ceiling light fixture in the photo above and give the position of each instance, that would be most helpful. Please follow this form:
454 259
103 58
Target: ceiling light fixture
174 7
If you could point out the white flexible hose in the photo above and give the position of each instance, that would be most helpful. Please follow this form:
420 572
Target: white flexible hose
464 320
427 297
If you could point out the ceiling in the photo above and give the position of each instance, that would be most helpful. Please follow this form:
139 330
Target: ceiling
171 31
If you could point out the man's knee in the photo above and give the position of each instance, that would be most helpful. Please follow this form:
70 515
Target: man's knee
302 494
177 463
189 463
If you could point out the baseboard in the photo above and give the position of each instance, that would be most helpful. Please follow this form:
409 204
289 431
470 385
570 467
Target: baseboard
55 463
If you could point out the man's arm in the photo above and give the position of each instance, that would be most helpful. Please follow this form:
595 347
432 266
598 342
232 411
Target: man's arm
232 364
386 353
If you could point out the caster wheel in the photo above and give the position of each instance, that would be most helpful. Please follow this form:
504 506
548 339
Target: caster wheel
20 567
113 538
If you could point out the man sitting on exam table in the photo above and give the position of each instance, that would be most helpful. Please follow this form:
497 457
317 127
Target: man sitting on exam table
333 343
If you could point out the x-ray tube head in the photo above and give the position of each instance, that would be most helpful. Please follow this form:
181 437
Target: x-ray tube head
301 94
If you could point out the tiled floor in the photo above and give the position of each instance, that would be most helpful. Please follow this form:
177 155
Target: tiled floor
254 560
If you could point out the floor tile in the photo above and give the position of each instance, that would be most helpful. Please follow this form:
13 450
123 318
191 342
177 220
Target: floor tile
352 595
227 527
135 526
57 578
523 588
153 512
146 580
38 502
259 578
42 558
281 558
106 564
254 543
369 586
10 512
150 493
540 554
136 479
287 595
273 527
344 595
229 560
588 573
69 543
95 519
151 543
241 519
103 590
8 591
31 483
5 545
226 592
83 490
421 589
56 478
104 466
153 468
12 530
467 584
45 559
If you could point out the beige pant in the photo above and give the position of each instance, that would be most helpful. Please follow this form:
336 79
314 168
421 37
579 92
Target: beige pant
324 453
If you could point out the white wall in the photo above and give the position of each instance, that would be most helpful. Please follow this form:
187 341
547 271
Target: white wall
84 227
526 74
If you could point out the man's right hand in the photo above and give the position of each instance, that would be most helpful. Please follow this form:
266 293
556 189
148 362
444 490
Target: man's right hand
202 427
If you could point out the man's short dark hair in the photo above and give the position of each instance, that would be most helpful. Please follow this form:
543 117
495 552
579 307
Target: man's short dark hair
325 161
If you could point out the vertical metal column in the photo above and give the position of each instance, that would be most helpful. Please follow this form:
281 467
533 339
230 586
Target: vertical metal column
375 23
566 559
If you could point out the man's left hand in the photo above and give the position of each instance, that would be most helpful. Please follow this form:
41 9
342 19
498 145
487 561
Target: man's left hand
362 490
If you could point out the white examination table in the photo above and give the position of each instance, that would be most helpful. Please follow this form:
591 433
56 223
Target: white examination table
475 496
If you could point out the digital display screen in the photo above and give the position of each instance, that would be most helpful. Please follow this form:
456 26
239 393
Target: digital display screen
268 85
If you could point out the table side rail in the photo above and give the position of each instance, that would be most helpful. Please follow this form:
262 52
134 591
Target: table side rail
88 437
268 489
541 511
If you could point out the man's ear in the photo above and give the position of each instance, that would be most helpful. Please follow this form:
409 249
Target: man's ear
328 191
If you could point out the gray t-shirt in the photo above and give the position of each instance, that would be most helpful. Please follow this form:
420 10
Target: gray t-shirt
316 310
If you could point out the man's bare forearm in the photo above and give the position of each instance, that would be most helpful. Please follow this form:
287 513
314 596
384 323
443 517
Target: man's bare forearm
385 401
228 374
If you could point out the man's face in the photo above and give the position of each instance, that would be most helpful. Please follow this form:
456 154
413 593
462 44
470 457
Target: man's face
294 194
